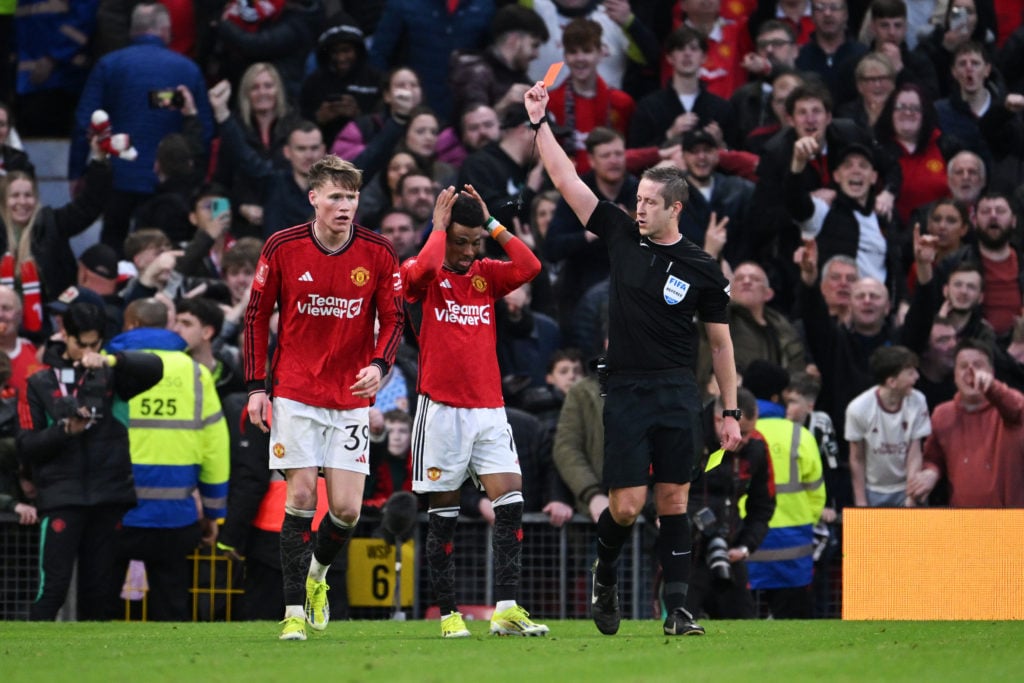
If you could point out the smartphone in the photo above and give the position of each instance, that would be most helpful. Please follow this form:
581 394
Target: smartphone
219 206
166 98
958 19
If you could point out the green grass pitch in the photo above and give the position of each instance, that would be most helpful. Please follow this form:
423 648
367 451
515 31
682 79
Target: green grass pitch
390 652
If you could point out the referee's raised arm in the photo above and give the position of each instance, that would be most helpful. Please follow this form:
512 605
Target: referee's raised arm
558 165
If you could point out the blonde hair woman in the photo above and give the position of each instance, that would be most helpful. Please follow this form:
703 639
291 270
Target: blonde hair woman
35 254
266 119
876 79
261 99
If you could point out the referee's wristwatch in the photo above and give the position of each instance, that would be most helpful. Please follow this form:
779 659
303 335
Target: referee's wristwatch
736 414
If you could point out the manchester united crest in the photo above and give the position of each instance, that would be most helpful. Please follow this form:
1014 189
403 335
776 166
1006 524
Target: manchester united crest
433 473
479 284
360 276
278 450
935 166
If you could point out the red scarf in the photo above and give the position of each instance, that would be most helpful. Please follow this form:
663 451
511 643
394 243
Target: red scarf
31 292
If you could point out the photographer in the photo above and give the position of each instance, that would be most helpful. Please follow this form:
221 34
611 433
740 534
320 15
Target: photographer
78 454
725 532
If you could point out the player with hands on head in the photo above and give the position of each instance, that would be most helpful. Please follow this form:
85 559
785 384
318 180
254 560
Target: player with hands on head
332 280
652 414
461 428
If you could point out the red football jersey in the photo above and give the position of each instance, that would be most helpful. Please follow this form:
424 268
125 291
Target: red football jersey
23 365
329 302
608 107
722 72
458 361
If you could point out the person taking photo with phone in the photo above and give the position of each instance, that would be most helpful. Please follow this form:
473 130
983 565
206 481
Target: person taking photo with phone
211 215
120 84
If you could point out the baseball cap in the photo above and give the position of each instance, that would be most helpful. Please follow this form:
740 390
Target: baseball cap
100 259
840 155
73 295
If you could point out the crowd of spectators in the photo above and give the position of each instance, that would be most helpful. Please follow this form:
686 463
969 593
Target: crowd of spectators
856 167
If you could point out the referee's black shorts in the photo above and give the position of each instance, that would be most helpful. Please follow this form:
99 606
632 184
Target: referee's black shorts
652 426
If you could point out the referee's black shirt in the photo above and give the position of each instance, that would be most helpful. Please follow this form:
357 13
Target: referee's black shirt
656 291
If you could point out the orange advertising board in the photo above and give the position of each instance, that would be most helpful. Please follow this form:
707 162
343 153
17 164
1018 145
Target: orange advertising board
933 564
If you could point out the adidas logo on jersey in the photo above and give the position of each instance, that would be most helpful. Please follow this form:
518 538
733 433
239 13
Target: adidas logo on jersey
306 277
446 285
361 458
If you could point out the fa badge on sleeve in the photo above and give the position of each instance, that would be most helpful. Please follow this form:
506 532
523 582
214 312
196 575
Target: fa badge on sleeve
675 290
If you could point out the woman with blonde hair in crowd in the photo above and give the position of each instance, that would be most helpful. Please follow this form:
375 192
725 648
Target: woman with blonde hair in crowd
266 119
875 78
34 239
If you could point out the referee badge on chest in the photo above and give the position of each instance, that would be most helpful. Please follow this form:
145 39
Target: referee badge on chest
675 290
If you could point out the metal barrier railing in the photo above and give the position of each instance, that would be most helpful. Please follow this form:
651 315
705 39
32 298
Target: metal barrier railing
19 567
555 578
555 575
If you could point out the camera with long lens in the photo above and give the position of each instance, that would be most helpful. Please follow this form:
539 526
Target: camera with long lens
717 553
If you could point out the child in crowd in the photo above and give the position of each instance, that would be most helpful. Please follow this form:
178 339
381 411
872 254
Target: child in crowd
884 428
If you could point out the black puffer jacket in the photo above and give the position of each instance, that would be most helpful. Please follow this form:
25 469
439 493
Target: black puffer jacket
94 467
362 81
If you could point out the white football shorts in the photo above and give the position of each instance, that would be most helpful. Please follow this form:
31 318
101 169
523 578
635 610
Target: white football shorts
450 444
307 436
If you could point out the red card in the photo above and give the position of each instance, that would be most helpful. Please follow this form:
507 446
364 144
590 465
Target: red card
552 74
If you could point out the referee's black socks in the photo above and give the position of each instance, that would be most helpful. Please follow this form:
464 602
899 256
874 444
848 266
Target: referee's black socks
611 536
675 553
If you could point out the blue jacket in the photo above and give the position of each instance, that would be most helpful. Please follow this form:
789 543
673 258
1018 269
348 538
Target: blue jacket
60 31
428 34
120 84
146 338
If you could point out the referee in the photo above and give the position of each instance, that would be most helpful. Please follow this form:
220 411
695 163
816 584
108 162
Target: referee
659 282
